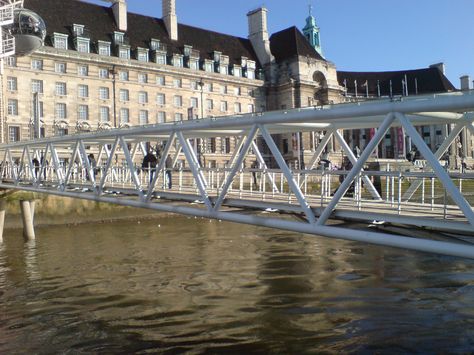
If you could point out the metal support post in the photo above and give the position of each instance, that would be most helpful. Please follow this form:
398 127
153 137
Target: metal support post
3 206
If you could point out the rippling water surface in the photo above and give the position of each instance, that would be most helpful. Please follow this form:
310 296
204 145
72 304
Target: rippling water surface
182 285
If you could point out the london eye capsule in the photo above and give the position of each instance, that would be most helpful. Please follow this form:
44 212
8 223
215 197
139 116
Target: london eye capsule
29 31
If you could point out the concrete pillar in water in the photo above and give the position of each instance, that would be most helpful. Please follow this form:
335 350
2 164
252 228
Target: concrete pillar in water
3 205
27 217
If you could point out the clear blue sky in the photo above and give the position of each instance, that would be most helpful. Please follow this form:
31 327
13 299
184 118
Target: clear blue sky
356 35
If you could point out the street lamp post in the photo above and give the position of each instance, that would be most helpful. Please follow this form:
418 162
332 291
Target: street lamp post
198 151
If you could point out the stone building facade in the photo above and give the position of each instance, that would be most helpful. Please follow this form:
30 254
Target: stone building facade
104 67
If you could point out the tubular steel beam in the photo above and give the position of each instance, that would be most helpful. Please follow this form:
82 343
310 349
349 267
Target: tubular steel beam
288 175
448 184
341 191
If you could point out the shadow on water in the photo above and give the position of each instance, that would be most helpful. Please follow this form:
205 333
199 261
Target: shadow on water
191 285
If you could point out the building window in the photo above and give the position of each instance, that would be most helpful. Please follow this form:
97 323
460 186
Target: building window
60 67
194 63
161 117
143 78
251 108
123 75
104 48
12 83
194 102
223 69
142 55
178 101
177 83
237 91
11 61
37 86
124 95
60 111
124 115
160 99
208 87
237 71
62 132
210 104
83 45
223 106
83 112
103 73
83 91
124 52
78 30
104 93
250 74
194 85
143 117
13 107
211 147
160 80
13 134
160 58
209 66
104 115
119 37
178 116
82 70
60 41
178 61
223 89
37 64
142 97
61 89
237 107
41 109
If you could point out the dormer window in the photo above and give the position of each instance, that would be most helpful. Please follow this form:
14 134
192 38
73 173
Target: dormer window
208 65
223 66
193 63
78 30
124 51
82 44
188 50
142 54
237 71
155 44
119 37
104 48
251 66
60 41
160 57
177 60
243 62
217 56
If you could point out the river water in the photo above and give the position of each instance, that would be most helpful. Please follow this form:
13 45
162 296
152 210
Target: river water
186 285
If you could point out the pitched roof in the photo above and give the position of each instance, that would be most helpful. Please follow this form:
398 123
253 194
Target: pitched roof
421 81
60 15
291 42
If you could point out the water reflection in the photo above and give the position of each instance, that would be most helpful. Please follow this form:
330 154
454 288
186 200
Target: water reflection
193 285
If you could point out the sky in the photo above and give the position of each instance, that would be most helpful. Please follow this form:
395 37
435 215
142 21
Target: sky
356 35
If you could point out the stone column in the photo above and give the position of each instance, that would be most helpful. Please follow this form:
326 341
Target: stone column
3 205
27 216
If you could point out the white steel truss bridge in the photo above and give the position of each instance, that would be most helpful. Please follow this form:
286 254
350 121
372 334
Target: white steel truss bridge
426 209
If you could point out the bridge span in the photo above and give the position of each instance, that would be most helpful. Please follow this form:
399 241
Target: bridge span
428 209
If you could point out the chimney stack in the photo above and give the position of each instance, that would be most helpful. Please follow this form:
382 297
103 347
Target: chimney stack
465 82
440 67
258 34
170 19
119 8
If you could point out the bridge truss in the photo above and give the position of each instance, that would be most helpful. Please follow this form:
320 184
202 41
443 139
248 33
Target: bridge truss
409 204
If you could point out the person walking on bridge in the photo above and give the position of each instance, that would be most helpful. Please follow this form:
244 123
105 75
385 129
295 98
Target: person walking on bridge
149 164
169 167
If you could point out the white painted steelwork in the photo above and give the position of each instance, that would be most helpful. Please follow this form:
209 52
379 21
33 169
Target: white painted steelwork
230 194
